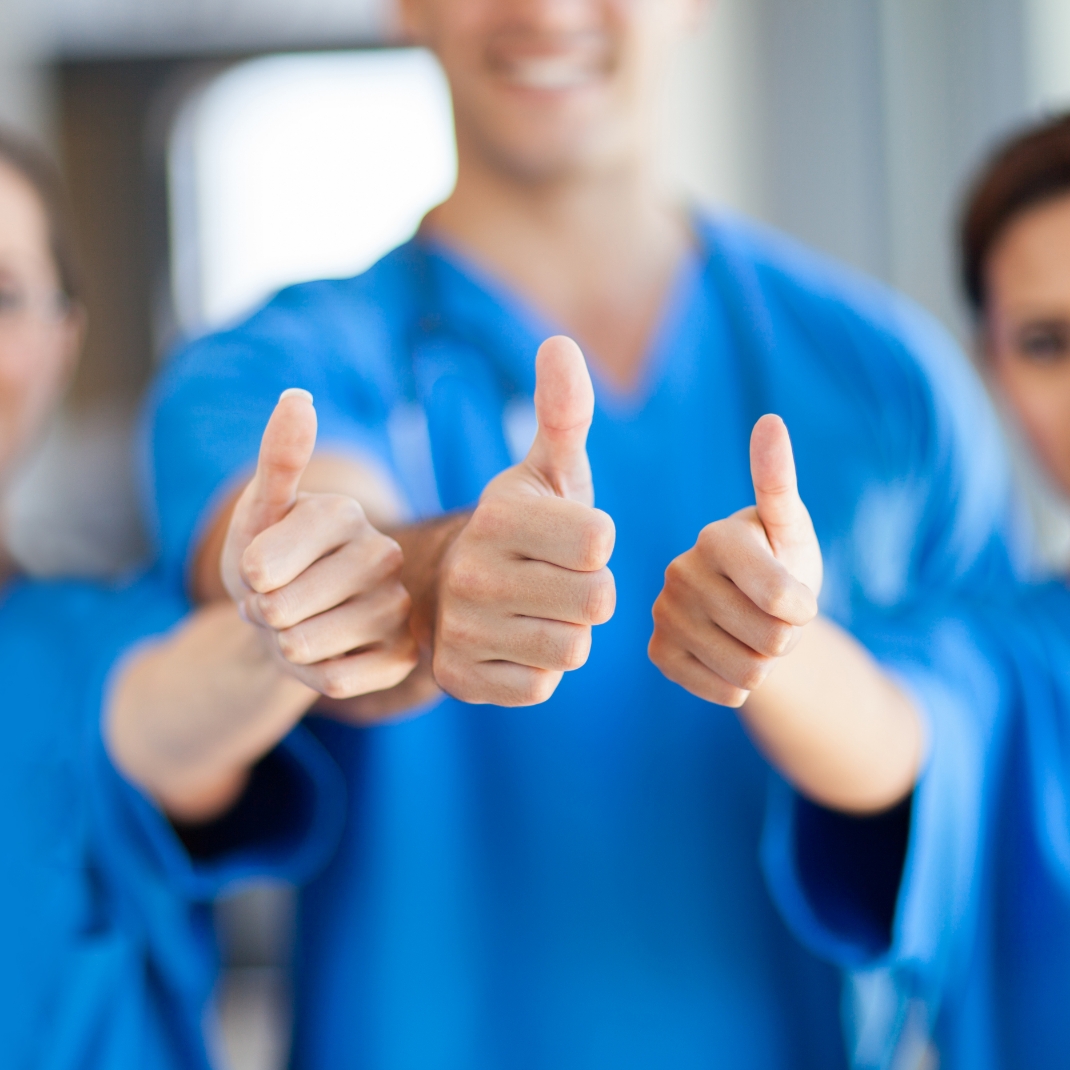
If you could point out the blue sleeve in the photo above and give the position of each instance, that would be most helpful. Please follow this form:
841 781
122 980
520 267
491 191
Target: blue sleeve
895 892
136 990
285 825
297 783
896 896
207 411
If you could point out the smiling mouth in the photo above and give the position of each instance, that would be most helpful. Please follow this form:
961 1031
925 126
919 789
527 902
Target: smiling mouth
575 64
552 72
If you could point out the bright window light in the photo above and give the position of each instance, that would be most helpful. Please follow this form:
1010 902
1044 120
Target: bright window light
290 168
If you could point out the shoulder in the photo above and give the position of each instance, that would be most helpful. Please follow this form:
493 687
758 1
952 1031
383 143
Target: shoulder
308 331
813 288
28 604
68 617
856 328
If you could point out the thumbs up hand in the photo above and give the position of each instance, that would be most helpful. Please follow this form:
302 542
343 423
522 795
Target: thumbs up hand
738 600
322 584
526 579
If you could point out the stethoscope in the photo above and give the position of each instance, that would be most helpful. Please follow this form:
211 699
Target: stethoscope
439 351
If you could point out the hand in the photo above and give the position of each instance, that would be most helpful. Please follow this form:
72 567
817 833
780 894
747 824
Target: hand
737 600
525 579
311 571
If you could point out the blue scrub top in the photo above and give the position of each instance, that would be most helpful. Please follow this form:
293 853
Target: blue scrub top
107 959
578 885
1005 986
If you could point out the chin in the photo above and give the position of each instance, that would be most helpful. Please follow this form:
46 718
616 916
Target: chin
565 147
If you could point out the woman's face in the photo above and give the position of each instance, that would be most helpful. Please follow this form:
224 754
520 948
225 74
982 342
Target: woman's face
40 333
1027 328
543 88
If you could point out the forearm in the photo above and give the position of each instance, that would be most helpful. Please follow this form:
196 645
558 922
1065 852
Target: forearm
193 713
836 725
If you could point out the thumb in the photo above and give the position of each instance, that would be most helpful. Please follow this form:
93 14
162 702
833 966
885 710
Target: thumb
285 450
776 491
564 407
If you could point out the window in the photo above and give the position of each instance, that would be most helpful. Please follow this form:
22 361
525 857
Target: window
289 168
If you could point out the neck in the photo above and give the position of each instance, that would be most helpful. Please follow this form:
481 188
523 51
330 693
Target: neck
594 253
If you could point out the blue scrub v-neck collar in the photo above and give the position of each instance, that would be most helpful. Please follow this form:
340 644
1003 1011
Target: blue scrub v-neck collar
472 302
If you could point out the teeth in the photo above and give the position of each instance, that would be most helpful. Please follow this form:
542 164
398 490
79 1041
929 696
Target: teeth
550 73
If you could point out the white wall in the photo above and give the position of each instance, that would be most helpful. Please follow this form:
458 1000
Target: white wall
853 124
1048 45
130 27
24 97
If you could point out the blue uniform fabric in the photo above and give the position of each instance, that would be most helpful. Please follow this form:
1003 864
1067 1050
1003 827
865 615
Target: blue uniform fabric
578 885
998 999
1018 979
107 959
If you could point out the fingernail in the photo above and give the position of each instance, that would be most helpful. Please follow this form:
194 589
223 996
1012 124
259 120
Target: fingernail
296 392
242 613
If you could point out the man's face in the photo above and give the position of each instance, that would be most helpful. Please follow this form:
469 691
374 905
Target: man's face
544 89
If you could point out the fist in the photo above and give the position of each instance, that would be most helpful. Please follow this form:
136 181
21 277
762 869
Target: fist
527 577
737 600
312 573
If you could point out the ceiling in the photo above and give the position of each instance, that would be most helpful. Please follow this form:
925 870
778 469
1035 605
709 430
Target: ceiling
116 28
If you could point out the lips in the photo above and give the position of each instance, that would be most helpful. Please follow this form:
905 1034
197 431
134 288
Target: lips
551 63
552 72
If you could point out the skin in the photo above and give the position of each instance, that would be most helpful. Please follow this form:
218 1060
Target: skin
191 713
1026 328
40 332
737 624
558 196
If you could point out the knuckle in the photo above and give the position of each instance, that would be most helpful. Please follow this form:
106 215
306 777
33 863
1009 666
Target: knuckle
597 537
711 538
454 630
345 510
754 671
467 578
677 582
780 598
335 512
779 639
601 598
732 697
536 687
577 649
256 569
655 648
336 681
274 609
293 645
491 519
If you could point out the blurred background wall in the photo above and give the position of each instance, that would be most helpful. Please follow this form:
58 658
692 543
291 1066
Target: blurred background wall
853 124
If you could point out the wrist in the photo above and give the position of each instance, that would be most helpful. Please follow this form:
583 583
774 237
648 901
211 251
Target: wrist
425 546
206 799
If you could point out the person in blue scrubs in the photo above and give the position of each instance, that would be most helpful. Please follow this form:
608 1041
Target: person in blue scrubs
985 972
1009 1007
107 958
576 884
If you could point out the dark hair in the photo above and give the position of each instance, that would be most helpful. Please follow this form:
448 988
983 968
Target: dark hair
37 168
1031 167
